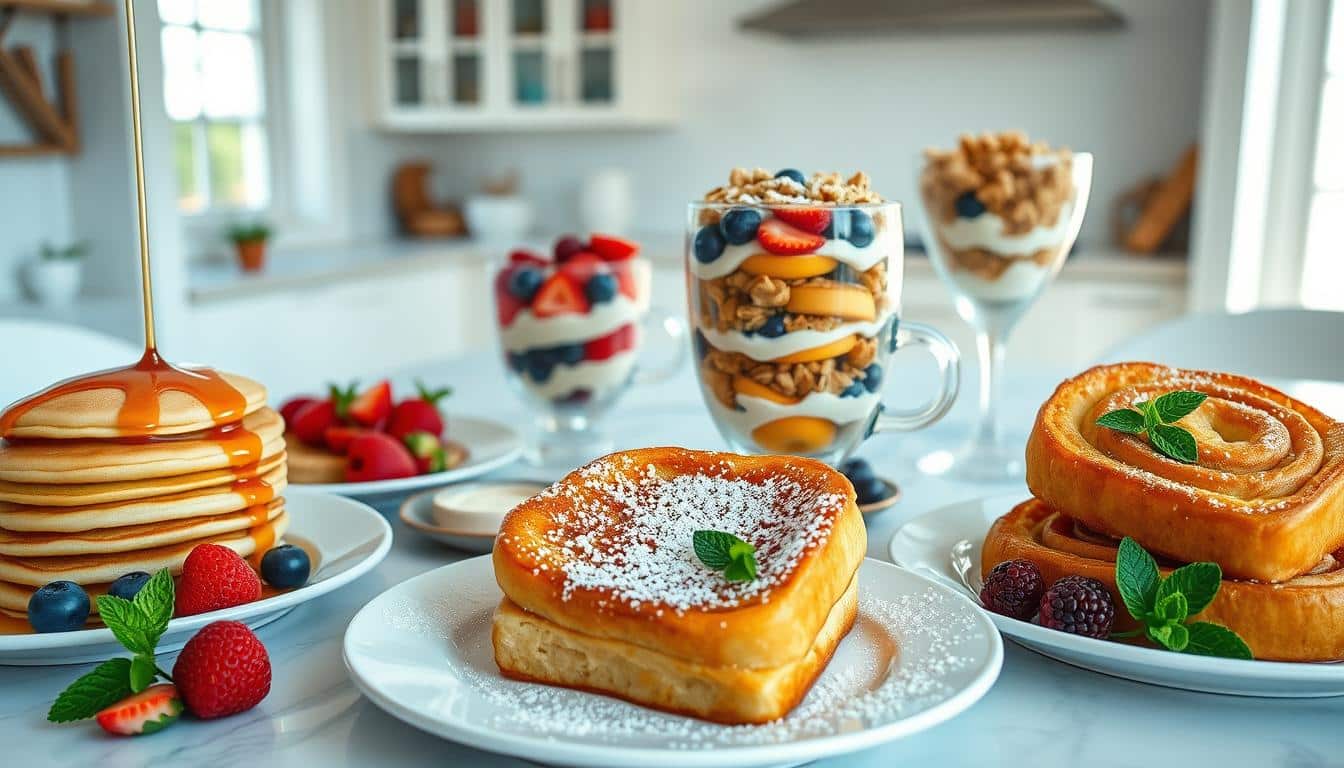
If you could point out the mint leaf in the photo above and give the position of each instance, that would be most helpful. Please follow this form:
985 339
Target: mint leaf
1174 442
143 672
1199 582
1123 420
133 629
1175 405
714 548
1137 577
1150 416
743 566
1209 639
1172 608
155 601
1179 638
102 687
1160 634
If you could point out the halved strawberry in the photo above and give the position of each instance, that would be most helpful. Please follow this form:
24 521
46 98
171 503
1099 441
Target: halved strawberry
524 256
148 711
613 248
507 306
612 344
373 404
625 281
776 236
583 265
560 294
313 420
337 439
808 219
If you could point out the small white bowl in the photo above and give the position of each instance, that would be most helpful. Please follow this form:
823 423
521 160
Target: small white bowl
466 516
497 218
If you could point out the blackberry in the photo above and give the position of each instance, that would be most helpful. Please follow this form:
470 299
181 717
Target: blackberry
1013 588
1078 605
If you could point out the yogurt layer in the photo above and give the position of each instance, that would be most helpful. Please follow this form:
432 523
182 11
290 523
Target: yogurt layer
757 411
986 232
759 347
596 376
885 244
1017 283
530 332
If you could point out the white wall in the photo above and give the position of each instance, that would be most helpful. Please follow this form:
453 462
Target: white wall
1132 97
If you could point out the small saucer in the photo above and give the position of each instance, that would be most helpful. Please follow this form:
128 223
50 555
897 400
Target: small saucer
888 501
466 516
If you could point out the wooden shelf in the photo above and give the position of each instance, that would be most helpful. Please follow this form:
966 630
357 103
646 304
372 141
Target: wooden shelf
59 7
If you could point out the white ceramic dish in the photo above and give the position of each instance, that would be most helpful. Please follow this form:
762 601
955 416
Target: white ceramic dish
491 445
349 538
467 532
421 651
925 544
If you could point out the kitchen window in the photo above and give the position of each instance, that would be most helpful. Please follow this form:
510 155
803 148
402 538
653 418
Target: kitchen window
1323 261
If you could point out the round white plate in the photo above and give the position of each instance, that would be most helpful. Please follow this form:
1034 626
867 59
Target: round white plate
417 513
421 651
490 445
925 545
350 540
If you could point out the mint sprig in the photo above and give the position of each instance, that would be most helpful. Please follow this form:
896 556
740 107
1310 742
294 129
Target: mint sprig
1156 418
137 624
1163 605
725 552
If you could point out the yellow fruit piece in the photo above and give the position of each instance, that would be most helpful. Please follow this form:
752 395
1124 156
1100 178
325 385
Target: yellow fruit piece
851 302
789 267
824 352
795 434
744 386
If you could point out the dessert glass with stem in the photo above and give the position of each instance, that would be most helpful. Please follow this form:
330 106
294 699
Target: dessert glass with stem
995 276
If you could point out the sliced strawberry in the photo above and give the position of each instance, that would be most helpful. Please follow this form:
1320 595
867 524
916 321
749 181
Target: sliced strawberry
337 439
373 404
625 281
614 343
808 219
613 248
524 256
376 456
148 711
559 295
507 306
313 420
583 265
776 236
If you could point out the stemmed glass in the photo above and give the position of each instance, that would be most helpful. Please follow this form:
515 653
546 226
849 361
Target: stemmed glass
995 277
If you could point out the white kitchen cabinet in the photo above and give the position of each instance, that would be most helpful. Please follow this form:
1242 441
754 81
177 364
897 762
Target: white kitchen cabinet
471 65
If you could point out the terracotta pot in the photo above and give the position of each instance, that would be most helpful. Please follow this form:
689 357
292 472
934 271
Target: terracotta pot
252 255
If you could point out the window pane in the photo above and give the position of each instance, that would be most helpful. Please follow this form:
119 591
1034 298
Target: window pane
406 19
529 77
595 16
177 11
529 17
1323 263
465 22
1329 149
227 14
408 79
595 71
229 75
237 164
190 195
466 78
181 78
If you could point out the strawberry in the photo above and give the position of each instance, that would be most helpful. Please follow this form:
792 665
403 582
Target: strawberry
418 414
377 456
612 344
776 236
427 450
613 248
524 256
223 670
292 407
338 438
583 265
373 405
809 219
148 711
215 577
313 420
507 306
625 280
558 295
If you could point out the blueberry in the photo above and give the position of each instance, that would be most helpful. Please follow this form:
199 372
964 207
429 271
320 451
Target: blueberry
870 490
539 365
854 389
523 283
61 606
708 244
570 354
792 173
969 206
872 377
739 225
600 287
517 361
861 232
128 585
773 328
285 566
857 470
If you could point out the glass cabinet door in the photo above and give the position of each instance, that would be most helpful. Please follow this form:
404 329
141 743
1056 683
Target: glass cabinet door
465 55
596 61
529 27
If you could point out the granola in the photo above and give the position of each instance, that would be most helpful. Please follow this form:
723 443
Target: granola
796 380
1025 184
761 187
744 302
989 265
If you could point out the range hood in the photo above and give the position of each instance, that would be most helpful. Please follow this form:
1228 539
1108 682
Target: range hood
851 18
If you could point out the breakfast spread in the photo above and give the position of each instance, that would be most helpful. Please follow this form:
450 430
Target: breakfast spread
569 323
1000 206
793 306
707 584
1235 488
355 437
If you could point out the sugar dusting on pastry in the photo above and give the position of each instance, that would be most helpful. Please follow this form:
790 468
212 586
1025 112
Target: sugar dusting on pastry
631 540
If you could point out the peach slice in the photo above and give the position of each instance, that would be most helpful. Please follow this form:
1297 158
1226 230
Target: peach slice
744 386
795 434
789 267
851 302
824 352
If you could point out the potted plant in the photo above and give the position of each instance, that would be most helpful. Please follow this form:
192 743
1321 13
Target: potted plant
250 240
54 276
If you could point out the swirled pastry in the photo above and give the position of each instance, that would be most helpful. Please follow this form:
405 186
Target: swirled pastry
1265 500
1298 620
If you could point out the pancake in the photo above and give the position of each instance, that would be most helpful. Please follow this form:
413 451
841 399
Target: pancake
308 464
96 412
76 462
108 566
38 495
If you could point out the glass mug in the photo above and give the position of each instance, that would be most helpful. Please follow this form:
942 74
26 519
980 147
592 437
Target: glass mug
794 331
573 336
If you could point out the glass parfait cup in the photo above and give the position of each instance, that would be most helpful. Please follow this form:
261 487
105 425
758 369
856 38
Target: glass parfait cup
795 331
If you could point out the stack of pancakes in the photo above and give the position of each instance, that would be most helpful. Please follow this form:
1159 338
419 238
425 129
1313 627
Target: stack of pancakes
83 502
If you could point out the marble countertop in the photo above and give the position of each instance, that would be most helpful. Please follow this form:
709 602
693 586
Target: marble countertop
1040 713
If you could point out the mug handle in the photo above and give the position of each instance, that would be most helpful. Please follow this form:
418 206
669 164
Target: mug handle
948 358
675 328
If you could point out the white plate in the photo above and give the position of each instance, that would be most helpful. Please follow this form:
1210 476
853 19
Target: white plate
417 513
421 651
925 543
349 538
490 445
